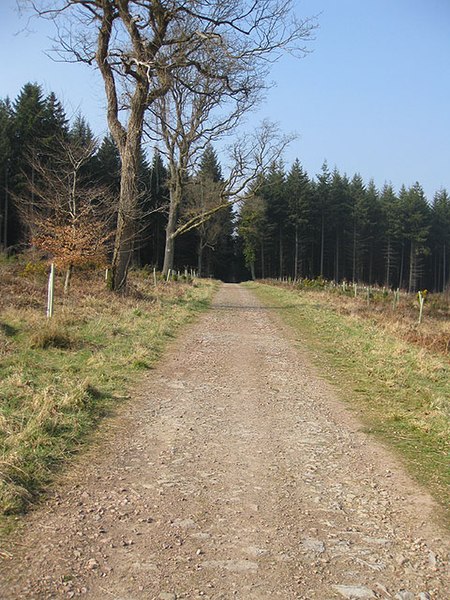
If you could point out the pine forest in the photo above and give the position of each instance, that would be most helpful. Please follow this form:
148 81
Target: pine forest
289 225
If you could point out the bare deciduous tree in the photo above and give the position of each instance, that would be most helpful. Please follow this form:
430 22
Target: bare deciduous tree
249 157
204 195
139 46
68 215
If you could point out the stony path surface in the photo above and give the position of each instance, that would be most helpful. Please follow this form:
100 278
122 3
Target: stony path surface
234 474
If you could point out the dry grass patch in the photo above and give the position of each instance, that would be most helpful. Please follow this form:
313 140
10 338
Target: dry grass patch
60 377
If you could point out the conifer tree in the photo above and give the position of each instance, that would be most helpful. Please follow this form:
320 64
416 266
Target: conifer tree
205 193
29 117
159 198
29 128
6 135
357 195
80 132
340 216
373 235
441 237
298 191
252 228
107 164
273 190
55 122
390 223
322 199
416 225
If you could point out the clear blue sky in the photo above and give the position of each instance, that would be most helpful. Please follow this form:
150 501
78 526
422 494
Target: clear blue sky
372 97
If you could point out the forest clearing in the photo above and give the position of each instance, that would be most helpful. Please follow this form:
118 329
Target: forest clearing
239 472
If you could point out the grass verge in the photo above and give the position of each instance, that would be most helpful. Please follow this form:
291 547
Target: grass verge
60 377
402 392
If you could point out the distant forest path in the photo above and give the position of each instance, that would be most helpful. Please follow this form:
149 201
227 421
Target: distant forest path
234 472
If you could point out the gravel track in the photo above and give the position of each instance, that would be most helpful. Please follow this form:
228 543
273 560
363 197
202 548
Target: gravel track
234 472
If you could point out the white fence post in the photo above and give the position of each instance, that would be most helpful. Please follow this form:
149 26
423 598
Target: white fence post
421 303
50 291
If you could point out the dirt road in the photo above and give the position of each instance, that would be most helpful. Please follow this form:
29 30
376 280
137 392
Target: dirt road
235 473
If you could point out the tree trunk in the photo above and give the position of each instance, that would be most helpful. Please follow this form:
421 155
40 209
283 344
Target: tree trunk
281 253
5 212
67 279
322 244
200 257
402 263
412 267
444 269
336 259
128 203
388 264
296 254
263 268
126 219
175 201
252 270
371 263
354 253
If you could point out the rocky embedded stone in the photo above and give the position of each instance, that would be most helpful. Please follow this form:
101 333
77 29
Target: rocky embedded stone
404 595
184 523
313 545
354 591
167 596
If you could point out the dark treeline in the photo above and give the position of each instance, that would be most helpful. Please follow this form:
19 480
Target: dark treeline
329 226
339 228
34 124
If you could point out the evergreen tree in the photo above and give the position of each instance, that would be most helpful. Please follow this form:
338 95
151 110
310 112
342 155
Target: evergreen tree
159 197
340 216
416 225
55 123
107 164
29 118
391 232
81 136
372 236
6 135
298 191
144 212
215 244
357 195
252 227
441 238
273 190
81 133
322 200
209 165
27 145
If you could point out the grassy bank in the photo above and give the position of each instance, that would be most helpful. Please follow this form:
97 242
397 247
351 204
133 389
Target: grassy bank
60 377
401 390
